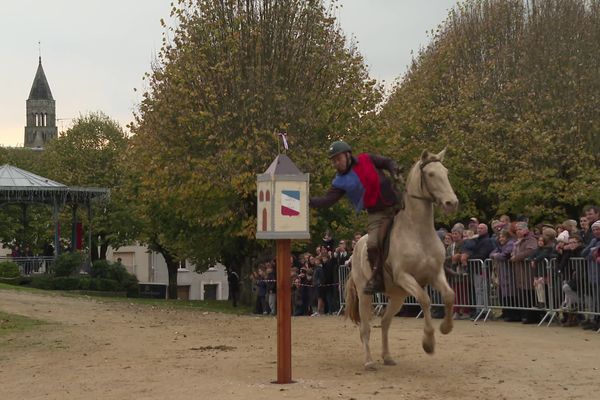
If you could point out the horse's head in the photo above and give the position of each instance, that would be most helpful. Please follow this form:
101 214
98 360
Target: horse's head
434 184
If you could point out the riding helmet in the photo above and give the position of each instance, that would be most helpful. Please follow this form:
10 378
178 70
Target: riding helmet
338 147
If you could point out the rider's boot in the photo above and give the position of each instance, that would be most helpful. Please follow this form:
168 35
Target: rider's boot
375 284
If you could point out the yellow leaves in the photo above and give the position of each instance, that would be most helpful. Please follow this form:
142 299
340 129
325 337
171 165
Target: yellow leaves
509 99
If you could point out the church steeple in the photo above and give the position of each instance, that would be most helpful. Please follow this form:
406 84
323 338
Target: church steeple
40 90
40 112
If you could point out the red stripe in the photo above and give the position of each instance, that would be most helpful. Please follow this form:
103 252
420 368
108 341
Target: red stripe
288 211
366 172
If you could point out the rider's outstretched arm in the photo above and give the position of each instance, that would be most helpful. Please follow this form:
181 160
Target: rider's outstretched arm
329 199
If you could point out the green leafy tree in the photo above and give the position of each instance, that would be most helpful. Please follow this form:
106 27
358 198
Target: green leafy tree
512 88
230 76
89 154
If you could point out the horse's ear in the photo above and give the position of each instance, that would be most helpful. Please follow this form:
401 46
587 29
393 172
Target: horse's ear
425 155
441 154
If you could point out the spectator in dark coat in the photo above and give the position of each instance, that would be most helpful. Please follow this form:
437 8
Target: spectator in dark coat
545 252
585 227
592 214
319 285
261 292
233 279
480 250
330 271
271 289
567 278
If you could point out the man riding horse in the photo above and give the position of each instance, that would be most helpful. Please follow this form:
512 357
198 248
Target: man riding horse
362 179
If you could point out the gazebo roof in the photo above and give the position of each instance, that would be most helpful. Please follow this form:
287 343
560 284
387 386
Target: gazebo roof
20 186
16 177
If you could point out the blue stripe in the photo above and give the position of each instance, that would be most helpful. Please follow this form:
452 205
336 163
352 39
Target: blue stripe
292 193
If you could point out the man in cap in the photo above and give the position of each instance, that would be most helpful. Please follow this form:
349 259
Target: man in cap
361 178
473 224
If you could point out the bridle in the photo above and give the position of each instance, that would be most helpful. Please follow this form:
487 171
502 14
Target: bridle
424 187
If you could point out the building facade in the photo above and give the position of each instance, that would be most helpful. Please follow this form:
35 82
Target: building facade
151 267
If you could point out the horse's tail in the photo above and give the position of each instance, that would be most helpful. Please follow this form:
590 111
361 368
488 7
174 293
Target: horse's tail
352 301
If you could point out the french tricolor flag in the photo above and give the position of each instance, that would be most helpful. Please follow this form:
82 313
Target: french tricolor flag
290 202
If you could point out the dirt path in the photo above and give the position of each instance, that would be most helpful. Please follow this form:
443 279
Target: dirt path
104 350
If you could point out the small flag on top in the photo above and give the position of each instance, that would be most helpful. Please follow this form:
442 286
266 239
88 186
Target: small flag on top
283 136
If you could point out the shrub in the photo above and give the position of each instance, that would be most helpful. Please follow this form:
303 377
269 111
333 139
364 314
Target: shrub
85 283
67 264
100 269
104 276
65 283
107 285
9 269
45 282
103 269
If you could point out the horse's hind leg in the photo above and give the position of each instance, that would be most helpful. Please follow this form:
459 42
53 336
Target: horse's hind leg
410 284
394 305
448 295
365 305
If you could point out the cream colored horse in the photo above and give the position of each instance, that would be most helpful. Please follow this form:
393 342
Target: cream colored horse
415 258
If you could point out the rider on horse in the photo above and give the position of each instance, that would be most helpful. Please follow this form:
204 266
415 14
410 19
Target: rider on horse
363 180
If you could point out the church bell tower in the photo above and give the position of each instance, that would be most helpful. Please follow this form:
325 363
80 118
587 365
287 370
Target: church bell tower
40 112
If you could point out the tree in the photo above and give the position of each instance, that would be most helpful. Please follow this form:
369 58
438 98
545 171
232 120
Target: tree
31 224
512 88
233 75
90 153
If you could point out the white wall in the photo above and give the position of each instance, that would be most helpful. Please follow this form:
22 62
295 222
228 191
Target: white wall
151 267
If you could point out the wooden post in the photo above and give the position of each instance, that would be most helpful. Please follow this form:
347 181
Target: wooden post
284 311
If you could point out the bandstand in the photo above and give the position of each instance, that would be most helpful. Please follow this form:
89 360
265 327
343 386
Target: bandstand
22 187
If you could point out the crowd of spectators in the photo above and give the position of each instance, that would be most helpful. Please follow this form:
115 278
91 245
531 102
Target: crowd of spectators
28 260
518 276
314 279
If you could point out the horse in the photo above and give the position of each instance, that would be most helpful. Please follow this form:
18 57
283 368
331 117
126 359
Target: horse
415 258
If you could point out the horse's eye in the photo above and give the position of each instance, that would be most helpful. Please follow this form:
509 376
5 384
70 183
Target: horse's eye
431 174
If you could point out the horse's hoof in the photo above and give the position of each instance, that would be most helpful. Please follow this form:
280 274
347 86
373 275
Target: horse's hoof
370 366
389 361
446 327
429 346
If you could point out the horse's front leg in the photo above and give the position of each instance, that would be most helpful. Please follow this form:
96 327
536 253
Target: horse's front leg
365 309
394 304
410 284
441 284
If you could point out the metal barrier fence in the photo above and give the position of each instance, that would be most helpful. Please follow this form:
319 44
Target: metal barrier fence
31 265
535 292
379 299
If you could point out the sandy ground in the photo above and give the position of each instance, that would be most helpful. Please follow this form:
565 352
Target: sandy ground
92 349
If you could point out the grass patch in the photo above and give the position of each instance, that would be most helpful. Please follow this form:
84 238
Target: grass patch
19 288
11 323
219 306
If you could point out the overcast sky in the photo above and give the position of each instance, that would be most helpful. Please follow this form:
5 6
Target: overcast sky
94 53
